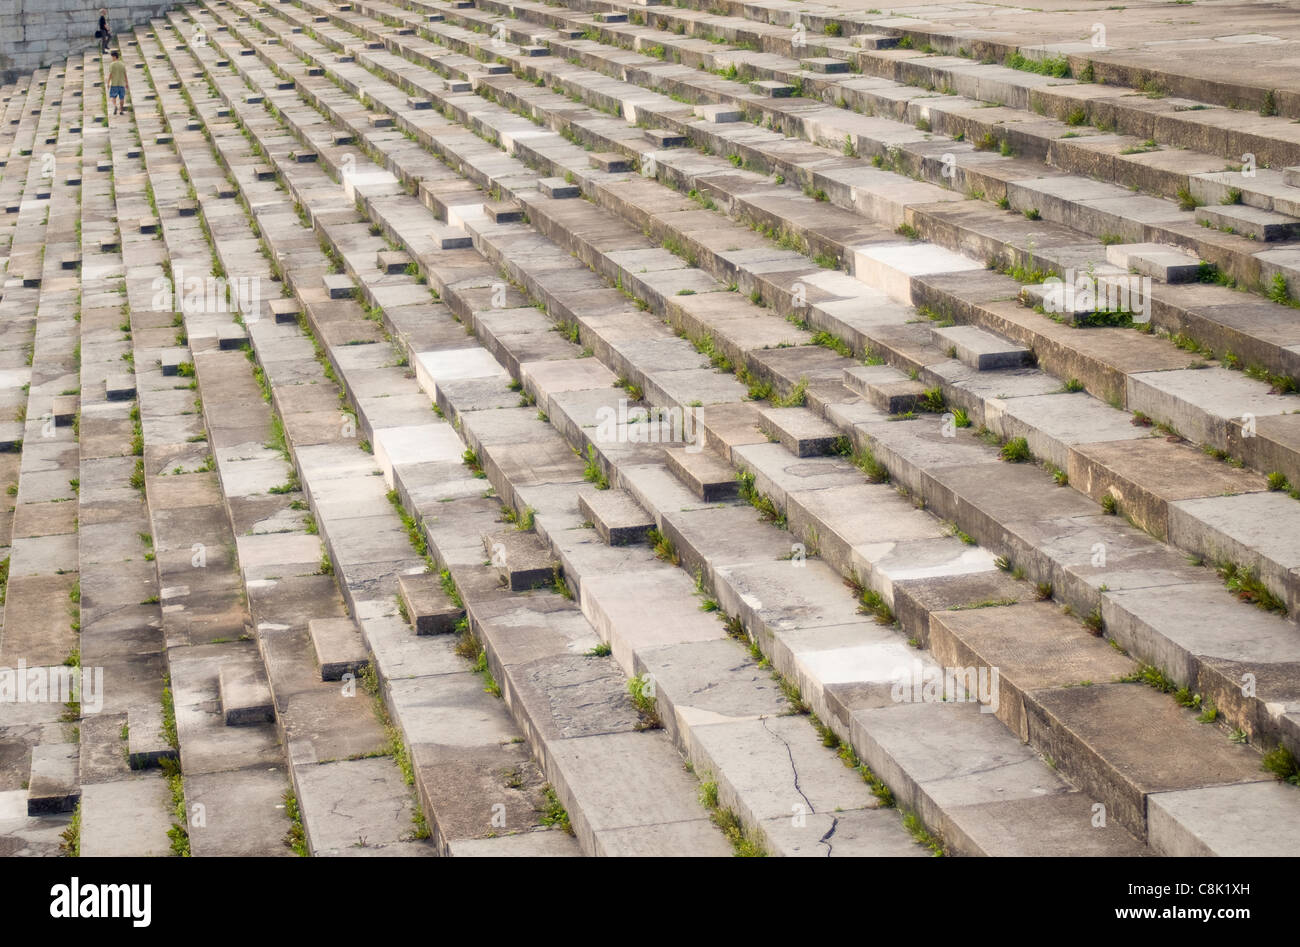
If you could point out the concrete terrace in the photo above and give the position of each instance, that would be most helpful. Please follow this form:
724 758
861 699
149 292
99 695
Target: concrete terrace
505 428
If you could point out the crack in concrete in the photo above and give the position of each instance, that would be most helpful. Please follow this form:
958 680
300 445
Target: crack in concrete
835 824
797 788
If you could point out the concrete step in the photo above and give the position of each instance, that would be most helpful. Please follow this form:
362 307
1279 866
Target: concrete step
617 518
1251 222
980 350
1167 264
339 648
147 745
884 387
703 472
428 607
521 561
245 696
802 432
54 783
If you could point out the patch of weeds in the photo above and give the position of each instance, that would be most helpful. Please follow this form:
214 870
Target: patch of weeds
1282 763
641 690
470 459
932 400
1093 621
593 473
921 835
873 603
1152 676
1058 67
742 845
865 460
449 588
178 833
1187 200
767 509
663 547
553 813
1278 291
1244 582
71 836
296 837
1016 451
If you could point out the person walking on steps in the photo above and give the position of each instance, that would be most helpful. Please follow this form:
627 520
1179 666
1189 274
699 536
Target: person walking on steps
117 83
103 34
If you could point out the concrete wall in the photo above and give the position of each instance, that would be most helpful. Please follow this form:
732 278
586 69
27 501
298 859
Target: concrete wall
36 33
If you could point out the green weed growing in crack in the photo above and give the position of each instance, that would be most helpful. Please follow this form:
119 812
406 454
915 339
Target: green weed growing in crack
553 814
641 690
743 845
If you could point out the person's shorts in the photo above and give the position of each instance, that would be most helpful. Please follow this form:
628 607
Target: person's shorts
117 92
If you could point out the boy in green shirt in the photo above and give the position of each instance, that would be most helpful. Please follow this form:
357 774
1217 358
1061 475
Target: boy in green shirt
117 83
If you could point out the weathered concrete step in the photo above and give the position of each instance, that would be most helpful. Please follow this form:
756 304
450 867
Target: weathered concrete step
661 138
1033 646
1165 263
126 818
428 607
979 349
392 261
1125 764
54 783
1056 688
1256 531
338 285
284 311
824 64
1256 820
245 695
64 409
616 516
703 472
802 432
558 188
1250 222
146 744
339 647
521 560
1146 479
953 766
119 387
884 387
